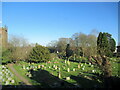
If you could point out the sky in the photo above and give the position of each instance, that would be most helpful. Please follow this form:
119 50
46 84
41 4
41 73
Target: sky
60 0
42 22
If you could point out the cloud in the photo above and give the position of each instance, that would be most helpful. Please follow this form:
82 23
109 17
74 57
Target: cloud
0 22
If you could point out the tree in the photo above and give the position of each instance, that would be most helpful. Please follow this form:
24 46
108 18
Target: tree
103 63
52 46
68 51
99 41
19 48
85 44
105 44
39 54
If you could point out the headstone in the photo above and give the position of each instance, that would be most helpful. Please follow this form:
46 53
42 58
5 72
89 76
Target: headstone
67 78
83 68
29 75
23 66
68 69
89 63
38 66
68 62
73 69
55 67
93 71
78 65
59 75
42 66
65 61
12 81
81 65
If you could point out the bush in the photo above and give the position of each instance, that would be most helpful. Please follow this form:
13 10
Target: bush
53 56
6 54
39 54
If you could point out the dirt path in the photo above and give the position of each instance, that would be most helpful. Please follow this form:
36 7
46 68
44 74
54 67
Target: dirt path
18 75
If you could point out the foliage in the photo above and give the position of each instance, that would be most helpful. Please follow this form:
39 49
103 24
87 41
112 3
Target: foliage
105 44
68 51
39 54
84 45
103 63
21 53
6 54
62 55
53 56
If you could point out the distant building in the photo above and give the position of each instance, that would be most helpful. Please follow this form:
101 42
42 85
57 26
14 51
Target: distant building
3 37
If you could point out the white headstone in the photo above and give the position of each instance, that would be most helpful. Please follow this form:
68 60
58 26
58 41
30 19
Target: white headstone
67 78
68 69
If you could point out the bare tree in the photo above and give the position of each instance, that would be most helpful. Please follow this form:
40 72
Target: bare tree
20 48
86 42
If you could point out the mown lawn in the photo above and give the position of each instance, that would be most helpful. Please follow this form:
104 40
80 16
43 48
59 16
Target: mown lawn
61 73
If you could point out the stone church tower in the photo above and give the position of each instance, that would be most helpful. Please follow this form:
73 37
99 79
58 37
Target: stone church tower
3 37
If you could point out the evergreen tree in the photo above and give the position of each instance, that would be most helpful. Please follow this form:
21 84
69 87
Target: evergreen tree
39 54
68 51
112 45
99 42
105 44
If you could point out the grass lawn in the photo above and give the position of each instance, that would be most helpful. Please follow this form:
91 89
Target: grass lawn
63 73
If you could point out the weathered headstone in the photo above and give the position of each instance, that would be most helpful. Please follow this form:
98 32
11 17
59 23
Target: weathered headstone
68 69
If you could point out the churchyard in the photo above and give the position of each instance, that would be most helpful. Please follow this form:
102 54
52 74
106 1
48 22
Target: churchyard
57 73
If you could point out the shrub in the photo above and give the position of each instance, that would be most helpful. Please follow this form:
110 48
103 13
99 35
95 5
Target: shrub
6 56
39 54
53 56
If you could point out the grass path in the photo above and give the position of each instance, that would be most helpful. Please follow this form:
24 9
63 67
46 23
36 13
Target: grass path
18 75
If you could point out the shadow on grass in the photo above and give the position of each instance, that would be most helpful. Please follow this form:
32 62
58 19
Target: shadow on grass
86 83
108 82
48 80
